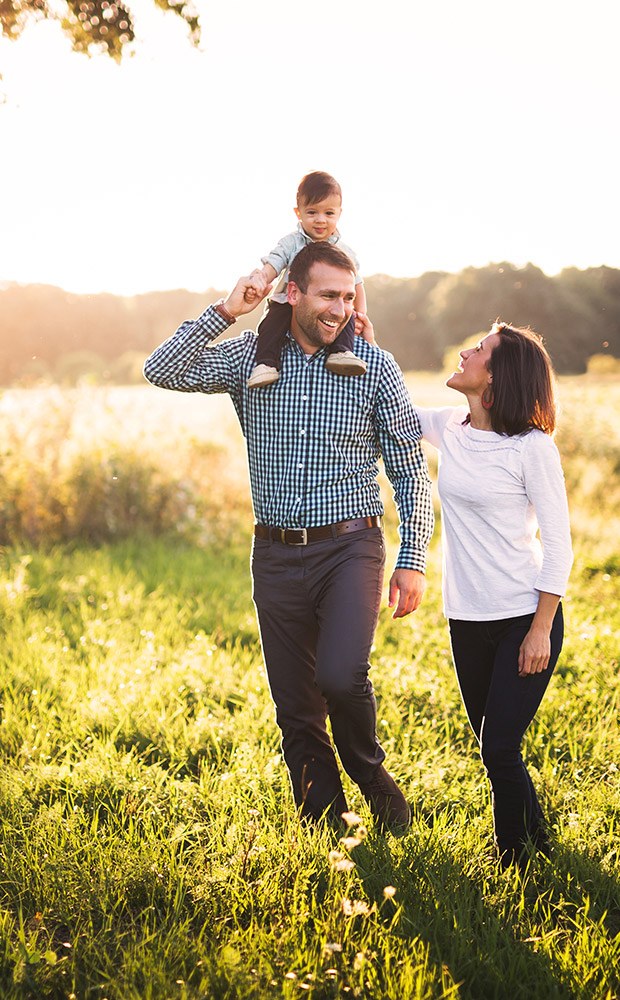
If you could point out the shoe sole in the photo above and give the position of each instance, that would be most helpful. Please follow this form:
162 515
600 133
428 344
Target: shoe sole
260 382
350 370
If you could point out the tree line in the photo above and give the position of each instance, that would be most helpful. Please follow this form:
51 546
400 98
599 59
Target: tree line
46 332
106 26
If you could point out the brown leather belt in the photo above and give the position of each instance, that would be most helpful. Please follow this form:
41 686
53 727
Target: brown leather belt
301 536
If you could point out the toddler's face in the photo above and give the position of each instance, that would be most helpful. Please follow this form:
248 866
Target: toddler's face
320 220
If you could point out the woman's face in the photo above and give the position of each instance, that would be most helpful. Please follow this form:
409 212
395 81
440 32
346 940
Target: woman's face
472 375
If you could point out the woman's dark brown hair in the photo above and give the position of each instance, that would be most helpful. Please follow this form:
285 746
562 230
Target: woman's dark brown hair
523 382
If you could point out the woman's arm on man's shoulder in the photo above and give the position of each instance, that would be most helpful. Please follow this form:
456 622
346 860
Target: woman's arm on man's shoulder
433 421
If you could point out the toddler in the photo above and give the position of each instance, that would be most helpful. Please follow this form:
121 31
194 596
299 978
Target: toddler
319 204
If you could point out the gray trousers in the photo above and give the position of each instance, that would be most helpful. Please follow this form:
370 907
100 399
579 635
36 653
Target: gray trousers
317 609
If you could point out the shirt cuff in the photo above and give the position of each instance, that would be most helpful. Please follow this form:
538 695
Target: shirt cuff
409 558
211 322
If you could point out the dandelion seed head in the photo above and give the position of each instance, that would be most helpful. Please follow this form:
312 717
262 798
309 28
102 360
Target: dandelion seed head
331 948
351 818
356 908
339 863
350 842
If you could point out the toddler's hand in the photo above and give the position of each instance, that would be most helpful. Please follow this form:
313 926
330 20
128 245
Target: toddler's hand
259 280
364 328
257 288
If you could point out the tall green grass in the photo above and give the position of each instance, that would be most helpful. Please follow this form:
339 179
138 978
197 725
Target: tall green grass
148 843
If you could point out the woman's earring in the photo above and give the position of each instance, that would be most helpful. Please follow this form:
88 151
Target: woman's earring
487 398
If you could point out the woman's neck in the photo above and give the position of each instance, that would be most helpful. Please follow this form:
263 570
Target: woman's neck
479 418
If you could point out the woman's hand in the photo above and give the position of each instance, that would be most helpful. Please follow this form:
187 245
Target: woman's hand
535 651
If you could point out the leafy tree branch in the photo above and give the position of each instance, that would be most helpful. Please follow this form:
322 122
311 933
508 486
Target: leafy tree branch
92 25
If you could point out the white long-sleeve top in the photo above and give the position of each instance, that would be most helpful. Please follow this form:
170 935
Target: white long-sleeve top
505 524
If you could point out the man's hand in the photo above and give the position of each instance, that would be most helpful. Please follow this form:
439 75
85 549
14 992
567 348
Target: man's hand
408 585
245 296
259 286
364 328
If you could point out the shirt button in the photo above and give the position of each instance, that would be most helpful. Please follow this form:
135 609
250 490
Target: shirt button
301 465
305 398
303 431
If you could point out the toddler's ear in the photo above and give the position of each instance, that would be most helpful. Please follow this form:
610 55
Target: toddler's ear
297 212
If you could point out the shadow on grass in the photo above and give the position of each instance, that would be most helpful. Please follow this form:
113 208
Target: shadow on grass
487 928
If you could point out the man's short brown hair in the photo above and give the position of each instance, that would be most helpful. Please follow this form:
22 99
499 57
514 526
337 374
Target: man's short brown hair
317 253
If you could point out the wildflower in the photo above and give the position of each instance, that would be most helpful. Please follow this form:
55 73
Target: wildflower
339 863
356 908
331 947
350 842
351 818
389 892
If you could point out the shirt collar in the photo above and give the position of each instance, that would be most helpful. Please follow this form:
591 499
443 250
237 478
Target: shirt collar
334 238
289 336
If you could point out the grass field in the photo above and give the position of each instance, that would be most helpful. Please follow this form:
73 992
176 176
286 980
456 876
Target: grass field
148 843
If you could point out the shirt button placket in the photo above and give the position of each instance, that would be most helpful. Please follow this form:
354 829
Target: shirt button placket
303 440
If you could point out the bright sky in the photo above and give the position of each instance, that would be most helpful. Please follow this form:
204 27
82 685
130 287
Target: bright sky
461 133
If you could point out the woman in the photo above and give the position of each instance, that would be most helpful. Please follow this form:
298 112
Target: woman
500 482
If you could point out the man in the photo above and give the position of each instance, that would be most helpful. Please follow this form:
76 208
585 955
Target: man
313 442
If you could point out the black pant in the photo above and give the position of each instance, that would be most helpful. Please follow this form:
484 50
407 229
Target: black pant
272 330
500 706
317 609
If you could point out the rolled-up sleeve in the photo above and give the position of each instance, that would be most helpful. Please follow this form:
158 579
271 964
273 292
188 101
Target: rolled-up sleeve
283 253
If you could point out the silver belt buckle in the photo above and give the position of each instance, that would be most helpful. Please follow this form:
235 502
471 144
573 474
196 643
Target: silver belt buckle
303 533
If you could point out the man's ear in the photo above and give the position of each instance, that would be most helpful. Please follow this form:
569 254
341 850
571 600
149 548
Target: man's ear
292 293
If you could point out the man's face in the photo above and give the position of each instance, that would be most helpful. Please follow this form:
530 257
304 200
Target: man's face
324 309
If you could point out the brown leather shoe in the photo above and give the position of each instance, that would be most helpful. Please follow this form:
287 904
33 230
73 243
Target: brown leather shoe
386 801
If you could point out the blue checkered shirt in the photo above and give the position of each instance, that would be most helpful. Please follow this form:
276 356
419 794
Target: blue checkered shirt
314 438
